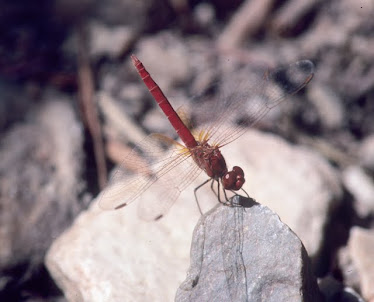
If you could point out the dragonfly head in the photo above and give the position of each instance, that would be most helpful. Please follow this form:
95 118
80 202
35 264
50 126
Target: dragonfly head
233 180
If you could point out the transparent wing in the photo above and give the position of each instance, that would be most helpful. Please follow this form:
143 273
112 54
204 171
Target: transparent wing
167 189
253 100
153 165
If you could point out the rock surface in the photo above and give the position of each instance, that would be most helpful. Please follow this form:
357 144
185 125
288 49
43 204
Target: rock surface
361 247
110 42
115 256
366 152
177 41
39 168
361 186
247 254
334 291
296 183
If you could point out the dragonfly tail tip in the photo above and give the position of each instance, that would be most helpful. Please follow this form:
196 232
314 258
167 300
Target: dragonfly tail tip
134 59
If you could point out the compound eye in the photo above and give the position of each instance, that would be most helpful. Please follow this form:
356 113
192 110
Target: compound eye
239 171
228 180
234 179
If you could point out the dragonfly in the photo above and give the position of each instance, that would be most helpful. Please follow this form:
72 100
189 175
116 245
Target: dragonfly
173 170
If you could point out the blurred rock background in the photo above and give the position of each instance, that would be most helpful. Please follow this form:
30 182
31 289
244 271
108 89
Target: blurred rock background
71 105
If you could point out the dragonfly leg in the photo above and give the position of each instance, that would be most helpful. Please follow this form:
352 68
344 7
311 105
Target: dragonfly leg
212 188
218 192
231 204
245 192
227 201
196 199
218 195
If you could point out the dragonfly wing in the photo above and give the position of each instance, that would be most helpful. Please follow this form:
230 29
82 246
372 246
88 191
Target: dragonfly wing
150 162
167 189
254 100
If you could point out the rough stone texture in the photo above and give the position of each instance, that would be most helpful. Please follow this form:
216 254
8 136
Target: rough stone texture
247 254
361 247
115 256
336 35
39 168
296 183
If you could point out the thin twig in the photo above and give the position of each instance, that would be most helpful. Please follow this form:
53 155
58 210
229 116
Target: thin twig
88 106
291 14
119 120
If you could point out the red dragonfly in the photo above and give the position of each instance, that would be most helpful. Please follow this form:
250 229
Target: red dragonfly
173 171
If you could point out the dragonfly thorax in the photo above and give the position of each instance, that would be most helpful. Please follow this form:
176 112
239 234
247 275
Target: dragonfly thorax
210 159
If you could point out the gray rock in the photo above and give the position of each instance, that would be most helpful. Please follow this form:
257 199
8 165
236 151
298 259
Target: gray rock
165 55
361 186
247 254
115 256
361 247
107 41
131 97
204 14
296 183
348 269
14 103
153 120
137 13
40 166
366 152
334 291
328 105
